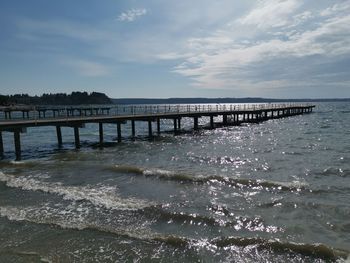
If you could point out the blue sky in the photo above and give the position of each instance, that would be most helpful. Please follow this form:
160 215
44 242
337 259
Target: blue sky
161 49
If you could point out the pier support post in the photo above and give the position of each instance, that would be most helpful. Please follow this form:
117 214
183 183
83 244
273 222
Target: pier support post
179 123
17 138
195 123
1 146
211 122
119 132
158 126
224 119
133 129
175 126
150 135
59 135
76 137
100 130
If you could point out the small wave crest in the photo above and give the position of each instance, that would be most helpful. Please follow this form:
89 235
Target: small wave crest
68 218
235 182
98 195
316 250
255 224
19 164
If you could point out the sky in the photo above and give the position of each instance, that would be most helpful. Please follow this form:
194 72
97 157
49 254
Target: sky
176 48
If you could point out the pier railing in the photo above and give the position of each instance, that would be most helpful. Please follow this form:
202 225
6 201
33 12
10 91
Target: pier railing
59 112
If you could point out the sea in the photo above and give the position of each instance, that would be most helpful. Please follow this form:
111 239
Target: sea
276 191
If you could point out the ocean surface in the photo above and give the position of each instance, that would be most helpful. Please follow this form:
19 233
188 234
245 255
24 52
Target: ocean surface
278 191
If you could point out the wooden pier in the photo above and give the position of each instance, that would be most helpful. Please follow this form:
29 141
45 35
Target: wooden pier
76 118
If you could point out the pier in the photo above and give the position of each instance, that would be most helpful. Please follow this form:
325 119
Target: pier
16 120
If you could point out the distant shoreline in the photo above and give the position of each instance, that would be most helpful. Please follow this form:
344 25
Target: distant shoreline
216 100
95 98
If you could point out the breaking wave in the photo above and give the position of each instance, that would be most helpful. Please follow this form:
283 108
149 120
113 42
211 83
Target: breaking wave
235 182
255 224
98 195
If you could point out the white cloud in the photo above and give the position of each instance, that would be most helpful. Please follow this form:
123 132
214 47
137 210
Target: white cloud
271 13
132 14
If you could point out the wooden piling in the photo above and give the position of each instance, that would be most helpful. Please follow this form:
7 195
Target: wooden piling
59 135
150 135
179 124
158 126
17 139
133 129
119 132
175 126
224 119
195 123
1 145
76 137
100 130
211 122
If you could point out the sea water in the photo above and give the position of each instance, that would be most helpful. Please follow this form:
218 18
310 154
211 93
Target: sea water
278 191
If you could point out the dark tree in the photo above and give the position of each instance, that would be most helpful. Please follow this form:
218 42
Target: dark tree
75 98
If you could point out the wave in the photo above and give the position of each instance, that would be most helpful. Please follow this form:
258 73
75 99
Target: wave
68 219
19 164
315 250
98 195
22 256
236 182
255 224
333 171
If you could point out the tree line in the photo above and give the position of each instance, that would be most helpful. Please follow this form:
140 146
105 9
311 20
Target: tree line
75 98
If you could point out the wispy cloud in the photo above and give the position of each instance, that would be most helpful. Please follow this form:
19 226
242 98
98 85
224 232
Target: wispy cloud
132 14
336 9
271 13
86 68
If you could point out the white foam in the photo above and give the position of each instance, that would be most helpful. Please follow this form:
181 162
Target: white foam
70 218
292 184
98 195
158 172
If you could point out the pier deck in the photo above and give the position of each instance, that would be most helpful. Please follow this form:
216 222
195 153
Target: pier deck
77 117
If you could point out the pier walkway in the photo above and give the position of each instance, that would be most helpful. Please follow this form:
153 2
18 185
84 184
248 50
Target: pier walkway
17 120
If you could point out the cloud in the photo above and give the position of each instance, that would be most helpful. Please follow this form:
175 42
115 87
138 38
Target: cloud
32 29
132 14
221 61
87 68
336 9
272 13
